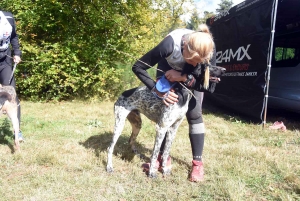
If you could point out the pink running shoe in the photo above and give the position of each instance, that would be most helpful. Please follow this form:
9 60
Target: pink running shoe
197 173
278 125
283 128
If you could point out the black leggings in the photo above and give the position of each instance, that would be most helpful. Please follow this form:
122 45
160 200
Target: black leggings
5 74
194 113
194 118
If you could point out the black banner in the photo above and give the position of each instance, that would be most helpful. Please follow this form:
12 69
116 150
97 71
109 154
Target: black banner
242 37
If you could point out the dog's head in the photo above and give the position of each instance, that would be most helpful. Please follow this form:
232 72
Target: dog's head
215 72
208 73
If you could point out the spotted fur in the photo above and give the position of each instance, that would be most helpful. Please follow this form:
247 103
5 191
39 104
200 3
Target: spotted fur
9 106
139 100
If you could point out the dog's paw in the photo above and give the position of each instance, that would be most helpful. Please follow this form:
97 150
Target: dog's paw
152 175
109 169
17 146
166 171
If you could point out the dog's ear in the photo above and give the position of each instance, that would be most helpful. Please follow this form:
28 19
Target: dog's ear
198 70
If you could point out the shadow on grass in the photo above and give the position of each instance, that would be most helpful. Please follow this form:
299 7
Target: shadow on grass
210 107
290 119
6 135
101 142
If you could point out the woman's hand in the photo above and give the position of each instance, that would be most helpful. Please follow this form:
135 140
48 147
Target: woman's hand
17 59
170 98
175 76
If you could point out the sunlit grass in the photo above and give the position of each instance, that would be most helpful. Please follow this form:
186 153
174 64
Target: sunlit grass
64 158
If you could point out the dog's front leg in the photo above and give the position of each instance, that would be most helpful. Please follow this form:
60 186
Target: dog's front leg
160 134
166 170
12 114
171 133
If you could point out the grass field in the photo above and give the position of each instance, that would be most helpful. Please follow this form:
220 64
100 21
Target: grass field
64 158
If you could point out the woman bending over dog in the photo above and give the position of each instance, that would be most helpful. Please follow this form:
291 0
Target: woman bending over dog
180 55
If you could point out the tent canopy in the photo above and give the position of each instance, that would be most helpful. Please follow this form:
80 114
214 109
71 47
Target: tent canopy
243 41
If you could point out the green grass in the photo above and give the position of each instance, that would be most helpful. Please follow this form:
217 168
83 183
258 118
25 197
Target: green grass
64 158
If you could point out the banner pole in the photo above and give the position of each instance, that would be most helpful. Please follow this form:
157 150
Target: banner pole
274 15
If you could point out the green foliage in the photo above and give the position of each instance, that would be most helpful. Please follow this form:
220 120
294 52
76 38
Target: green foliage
85 49
194 21
224 5
282 53
172 10
6 136
59 74
207 15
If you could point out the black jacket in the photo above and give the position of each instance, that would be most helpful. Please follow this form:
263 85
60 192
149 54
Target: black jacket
14 39
157 55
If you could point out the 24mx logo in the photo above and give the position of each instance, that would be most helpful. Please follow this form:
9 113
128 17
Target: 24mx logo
239 54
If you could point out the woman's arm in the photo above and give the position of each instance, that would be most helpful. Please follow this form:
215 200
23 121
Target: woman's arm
151 58
14 39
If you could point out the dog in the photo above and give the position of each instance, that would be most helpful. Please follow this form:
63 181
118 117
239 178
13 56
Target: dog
9 106
139 100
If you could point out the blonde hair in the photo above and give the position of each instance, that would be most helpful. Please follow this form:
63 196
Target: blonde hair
200 44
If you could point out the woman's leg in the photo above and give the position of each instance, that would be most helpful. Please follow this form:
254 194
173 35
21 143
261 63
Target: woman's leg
196 135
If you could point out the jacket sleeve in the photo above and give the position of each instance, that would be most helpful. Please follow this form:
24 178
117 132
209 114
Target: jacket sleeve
14 39
151 58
